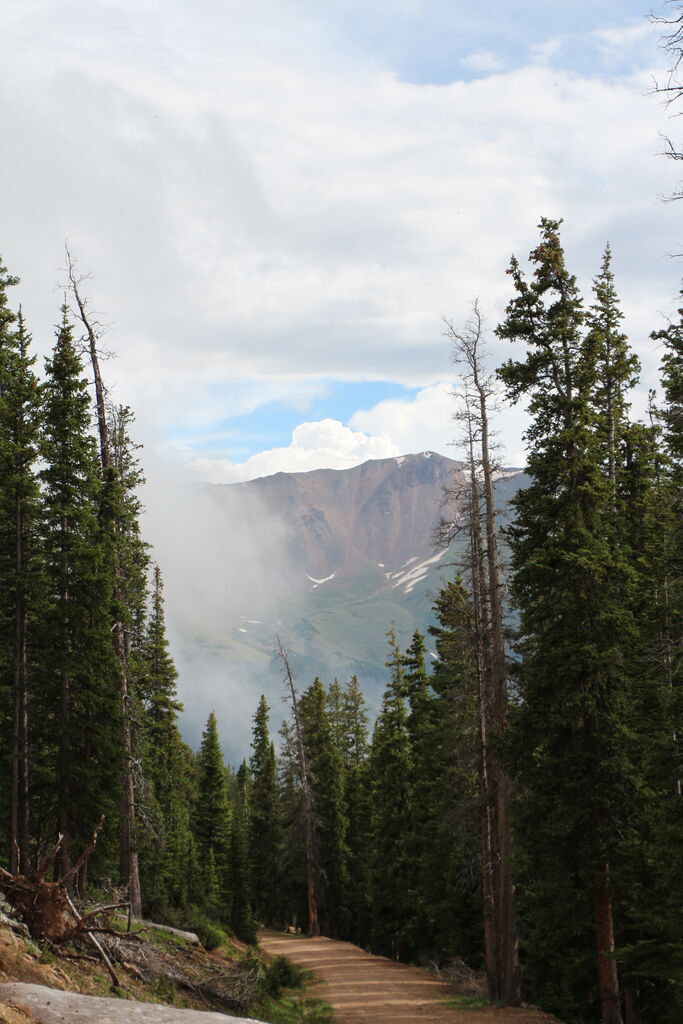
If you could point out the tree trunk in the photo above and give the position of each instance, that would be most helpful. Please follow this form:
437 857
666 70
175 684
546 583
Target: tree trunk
19 807
508 963
610 1001
307 801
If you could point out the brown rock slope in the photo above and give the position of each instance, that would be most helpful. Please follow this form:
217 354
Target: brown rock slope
367 989
382 512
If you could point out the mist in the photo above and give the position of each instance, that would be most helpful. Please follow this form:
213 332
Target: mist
226 574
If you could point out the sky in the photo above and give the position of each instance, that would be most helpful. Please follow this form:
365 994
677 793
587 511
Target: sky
279 201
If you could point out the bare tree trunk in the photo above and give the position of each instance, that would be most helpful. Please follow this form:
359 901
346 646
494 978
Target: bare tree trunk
486 793
19 805
130 870
307 800
500 919
610 1002
508 961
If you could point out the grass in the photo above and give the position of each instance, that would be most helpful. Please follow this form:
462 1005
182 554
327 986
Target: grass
293 1010
468 1002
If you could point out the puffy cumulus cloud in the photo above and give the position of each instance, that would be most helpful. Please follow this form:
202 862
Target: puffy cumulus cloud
426 422
416 424
327 444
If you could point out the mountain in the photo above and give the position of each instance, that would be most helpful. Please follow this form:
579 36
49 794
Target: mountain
327 559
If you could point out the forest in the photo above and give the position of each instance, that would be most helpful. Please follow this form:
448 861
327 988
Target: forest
517 804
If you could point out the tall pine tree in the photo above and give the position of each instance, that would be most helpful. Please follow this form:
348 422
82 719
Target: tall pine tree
569 583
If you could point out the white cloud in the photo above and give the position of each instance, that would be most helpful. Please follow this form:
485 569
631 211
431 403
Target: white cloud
327 444
482 60
414 425
624 37
543 53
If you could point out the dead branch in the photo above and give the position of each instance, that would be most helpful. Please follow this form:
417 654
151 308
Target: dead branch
84 856
95 942
46 864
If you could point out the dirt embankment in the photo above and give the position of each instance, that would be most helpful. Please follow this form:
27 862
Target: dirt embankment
367 989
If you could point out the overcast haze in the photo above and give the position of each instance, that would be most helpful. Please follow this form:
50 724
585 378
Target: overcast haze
279 202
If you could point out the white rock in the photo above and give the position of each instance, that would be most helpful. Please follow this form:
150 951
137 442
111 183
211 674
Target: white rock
52 1006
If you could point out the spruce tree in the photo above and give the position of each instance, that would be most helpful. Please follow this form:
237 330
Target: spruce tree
9 797
327 784
422 813
569 582
78 702
211 819
616 366
449 769
241 917
354 735
20 417
166 796
390 798
265 827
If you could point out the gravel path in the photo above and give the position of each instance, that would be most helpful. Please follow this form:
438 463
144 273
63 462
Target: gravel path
367 989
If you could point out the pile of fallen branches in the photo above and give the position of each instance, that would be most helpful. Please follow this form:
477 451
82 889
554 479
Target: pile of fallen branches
462 979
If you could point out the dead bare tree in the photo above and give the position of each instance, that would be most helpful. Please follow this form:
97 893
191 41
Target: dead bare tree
484 570
130 869
671 89
306 794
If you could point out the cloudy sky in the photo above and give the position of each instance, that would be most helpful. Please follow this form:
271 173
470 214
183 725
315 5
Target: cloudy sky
279 201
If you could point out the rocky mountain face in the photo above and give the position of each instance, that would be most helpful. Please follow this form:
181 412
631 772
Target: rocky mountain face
347 523
329 560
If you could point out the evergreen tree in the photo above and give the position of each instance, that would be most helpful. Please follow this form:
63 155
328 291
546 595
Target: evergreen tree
81 713
20 413
211 820
449 769
616 368
569 582
241 917
327 785
422 814
9 795
353 734
265 829
390 797
165 802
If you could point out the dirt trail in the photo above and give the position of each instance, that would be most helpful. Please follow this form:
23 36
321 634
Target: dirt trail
367 989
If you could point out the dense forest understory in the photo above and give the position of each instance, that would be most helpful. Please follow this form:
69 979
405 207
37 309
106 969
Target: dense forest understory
517 805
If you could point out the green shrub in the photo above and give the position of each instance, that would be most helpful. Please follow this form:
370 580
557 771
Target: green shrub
282 973
210 935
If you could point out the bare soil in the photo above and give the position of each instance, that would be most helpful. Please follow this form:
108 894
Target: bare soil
366 989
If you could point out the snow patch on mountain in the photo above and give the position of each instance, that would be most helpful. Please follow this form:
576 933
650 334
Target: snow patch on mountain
317 583
411 577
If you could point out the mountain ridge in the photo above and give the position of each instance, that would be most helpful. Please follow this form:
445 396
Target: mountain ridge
327 559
